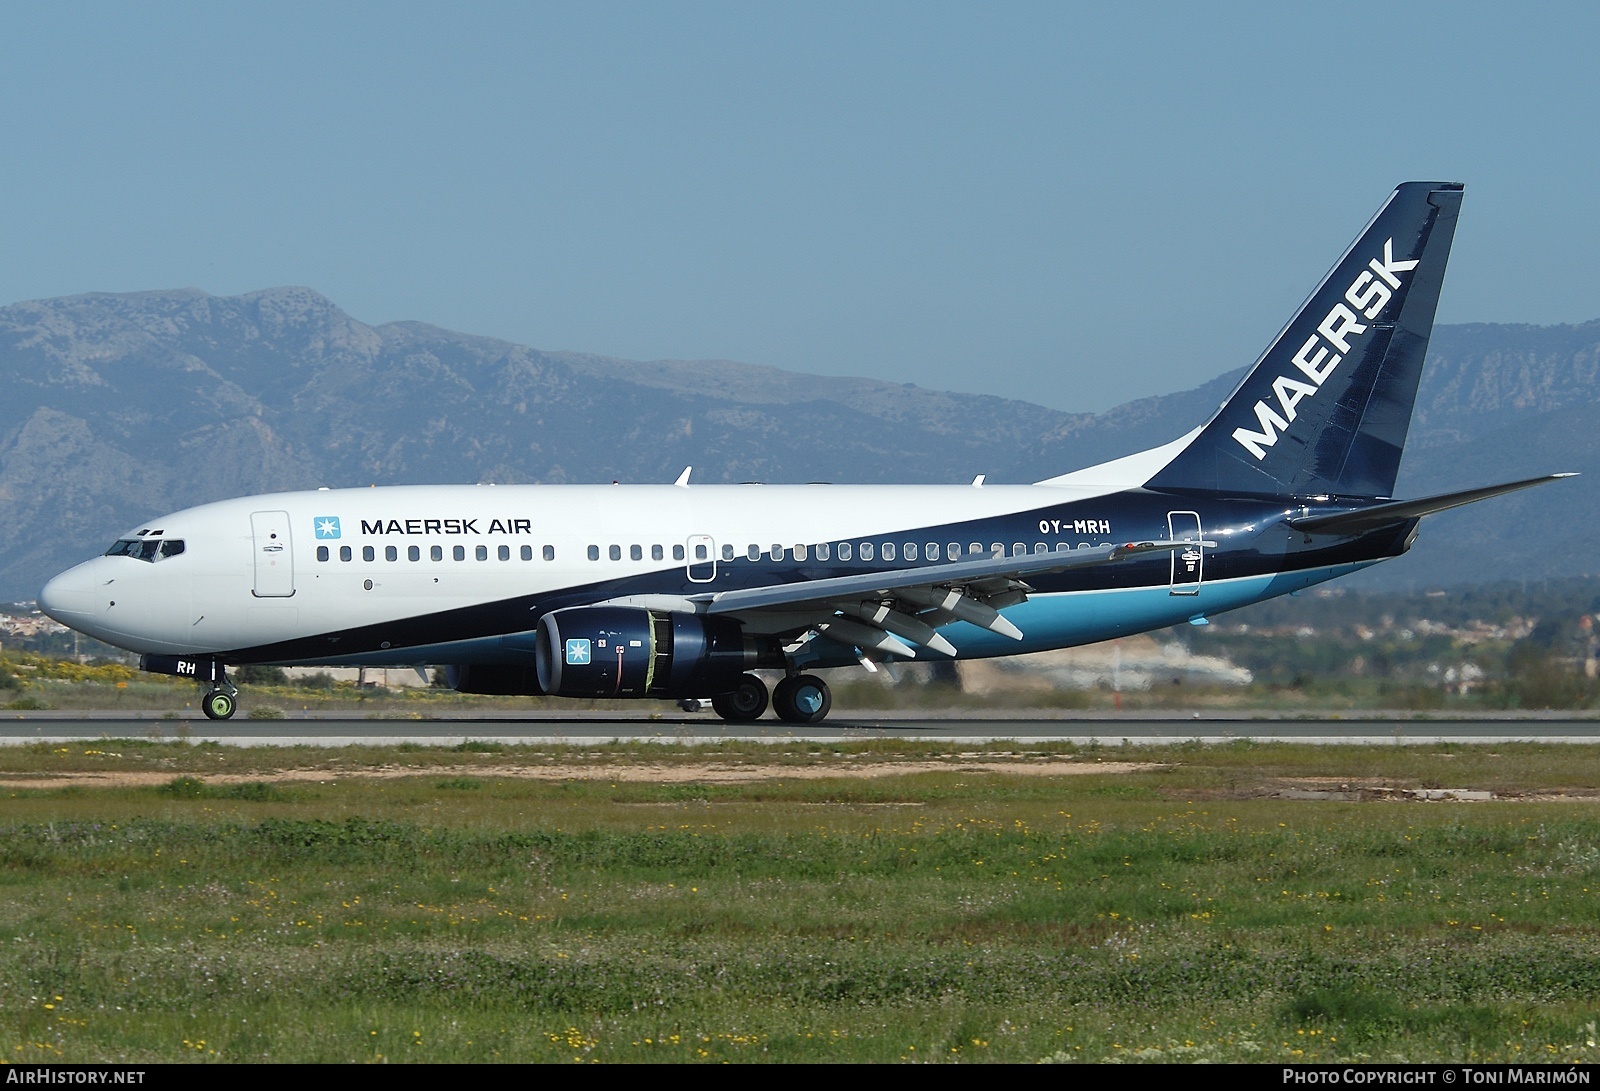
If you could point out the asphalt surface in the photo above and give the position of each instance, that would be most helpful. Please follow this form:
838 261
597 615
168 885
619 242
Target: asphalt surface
1134 729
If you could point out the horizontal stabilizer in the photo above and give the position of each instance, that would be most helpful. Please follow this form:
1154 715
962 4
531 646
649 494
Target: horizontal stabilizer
1383 515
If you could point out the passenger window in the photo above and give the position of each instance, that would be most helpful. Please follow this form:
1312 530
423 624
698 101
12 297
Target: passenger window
368 553
974 548
615 553
526 553
322 553
549 552
1062 547
844 551
727 552
1083 545
594 553
345 554
888 551
753 552
657 553
997 548
1040 547
799 552
823 550
700 553
777 552
436 553
482 552
390 553
866 551
932 552
677 553
459 553
635 553
504 552
414 553
911 551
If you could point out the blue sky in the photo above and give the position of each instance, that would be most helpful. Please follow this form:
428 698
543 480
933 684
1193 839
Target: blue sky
1056 202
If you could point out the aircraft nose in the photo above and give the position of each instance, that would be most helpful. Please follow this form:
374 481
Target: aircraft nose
69 598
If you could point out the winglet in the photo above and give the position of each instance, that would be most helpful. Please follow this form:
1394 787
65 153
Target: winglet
683 478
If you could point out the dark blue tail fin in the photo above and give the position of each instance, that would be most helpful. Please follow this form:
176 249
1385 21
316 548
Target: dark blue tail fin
1326 408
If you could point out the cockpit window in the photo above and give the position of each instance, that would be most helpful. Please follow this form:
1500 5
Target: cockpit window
148 549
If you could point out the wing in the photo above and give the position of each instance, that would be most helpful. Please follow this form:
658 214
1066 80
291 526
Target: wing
897 611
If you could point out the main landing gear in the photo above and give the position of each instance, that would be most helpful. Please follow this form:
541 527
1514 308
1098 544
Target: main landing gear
799 699
803 699
743 704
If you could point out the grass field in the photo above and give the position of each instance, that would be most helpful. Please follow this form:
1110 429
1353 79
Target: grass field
866 901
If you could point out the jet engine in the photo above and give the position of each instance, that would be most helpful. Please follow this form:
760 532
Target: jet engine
624 651
621 651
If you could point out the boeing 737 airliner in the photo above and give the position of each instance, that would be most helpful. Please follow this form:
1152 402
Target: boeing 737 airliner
681 591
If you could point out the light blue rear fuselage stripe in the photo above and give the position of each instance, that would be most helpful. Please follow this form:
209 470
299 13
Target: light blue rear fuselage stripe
1087 617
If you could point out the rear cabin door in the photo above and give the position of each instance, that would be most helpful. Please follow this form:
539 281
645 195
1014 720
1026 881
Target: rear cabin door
274 554
1188 563
702 558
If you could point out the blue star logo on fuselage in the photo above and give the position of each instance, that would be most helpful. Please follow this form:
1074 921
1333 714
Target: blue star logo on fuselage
327 526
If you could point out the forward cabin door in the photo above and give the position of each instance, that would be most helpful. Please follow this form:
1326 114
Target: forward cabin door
702 558
274 554
1188 563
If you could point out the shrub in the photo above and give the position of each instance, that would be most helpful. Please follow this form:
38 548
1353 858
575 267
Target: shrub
460 783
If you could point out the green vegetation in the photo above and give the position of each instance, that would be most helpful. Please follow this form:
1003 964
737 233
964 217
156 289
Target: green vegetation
646 904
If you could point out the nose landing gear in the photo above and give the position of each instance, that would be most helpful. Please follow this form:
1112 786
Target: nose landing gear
221 700
219 704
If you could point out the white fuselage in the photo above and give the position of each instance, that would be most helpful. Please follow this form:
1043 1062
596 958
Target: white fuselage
250 574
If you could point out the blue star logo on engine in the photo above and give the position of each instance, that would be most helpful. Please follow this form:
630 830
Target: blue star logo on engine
577 652
327 526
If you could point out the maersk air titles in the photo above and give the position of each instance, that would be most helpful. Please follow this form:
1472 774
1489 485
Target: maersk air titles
426 526
682 591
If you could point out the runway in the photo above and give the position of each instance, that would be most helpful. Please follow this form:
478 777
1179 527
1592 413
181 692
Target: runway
690 729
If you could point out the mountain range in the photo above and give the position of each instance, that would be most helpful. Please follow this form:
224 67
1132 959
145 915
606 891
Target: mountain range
120 407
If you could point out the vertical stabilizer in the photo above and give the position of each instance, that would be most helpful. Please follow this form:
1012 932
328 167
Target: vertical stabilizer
1327 406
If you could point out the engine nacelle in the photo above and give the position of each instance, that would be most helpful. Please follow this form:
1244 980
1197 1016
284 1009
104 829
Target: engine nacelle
623 651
